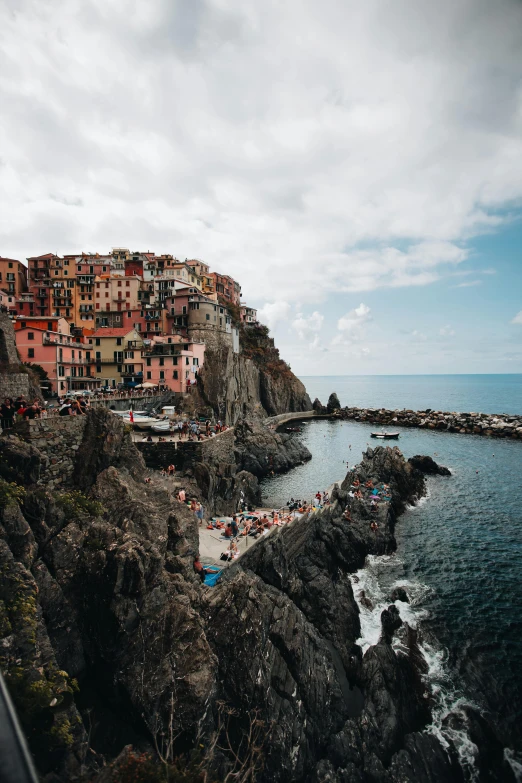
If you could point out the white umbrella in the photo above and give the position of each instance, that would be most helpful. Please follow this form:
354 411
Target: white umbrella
148 385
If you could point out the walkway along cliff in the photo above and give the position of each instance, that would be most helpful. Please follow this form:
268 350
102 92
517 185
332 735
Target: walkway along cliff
108 639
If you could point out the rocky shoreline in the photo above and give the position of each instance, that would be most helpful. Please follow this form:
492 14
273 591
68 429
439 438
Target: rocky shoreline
108 639
490 425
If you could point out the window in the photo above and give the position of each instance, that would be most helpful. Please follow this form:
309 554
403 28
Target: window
129 354
61 370
119 283
118 341
30 335
174 360
97 341
10 265
97 305
50 325
207 317
24 324
72 354
30 353
161 362
98 354
162 375
119 367
175 375
98 368
148 362
149 375
127 284
187 360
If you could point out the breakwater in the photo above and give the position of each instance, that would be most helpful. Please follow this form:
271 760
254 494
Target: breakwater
490 425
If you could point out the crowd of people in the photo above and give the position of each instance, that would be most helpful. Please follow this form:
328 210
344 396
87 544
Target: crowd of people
12 411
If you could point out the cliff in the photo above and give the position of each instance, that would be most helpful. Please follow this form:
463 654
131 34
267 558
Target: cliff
254 381
107 638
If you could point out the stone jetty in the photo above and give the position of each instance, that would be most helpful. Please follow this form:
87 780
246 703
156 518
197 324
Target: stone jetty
491 425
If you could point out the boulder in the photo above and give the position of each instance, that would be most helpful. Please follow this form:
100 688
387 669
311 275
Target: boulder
333 403
427 465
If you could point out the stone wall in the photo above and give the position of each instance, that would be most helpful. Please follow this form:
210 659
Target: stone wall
213 338
14 384
490 425
184 455
58 439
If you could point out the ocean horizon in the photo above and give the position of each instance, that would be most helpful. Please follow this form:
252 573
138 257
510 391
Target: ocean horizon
463 392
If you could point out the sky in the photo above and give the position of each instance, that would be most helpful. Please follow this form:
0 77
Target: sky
357 167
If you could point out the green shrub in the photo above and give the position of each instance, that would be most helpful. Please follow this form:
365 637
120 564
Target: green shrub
76 505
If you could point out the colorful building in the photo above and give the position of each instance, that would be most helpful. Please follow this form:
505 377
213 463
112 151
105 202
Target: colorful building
248 314
49 343
117 355
13 276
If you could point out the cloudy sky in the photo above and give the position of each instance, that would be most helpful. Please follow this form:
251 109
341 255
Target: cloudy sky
357 166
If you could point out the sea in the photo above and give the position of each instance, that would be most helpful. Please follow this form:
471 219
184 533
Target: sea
459 550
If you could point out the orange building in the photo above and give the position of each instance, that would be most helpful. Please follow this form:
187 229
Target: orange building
13 276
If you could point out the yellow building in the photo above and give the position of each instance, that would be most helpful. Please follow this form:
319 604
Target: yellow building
117 356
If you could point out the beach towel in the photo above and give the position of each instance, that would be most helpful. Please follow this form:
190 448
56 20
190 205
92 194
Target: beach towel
211 579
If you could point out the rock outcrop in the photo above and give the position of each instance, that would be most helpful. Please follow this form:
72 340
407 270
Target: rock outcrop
107 638
429 466
262 451
333 403
252 382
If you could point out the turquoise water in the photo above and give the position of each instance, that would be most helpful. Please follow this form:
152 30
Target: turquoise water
463 393
460 550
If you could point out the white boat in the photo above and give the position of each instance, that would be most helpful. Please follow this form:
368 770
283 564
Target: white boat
143 422
161 427
386 435
126 414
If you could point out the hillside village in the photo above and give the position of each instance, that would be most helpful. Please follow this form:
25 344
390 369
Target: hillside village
122 320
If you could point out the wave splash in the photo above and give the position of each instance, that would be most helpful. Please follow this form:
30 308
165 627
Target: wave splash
372 587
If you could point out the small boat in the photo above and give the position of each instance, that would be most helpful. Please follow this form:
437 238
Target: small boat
386 435
143 423
161 427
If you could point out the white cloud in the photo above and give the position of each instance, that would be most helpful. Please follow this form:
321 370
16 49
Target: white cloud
273 312
517 319
469 284
307 327
362 168
350 326
446 331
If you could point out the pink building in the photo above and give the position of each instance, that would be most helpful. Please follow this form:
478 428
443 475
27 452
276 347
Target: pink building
68 364
248 314
172 362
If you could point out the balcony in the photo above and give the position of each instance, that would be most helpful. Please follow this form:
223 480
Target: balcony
85 279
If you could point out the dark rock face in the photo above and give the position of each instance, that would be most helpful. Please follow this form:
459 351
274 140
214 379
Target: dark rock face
333 403
399 594
109 597
429 466
261 451
318 407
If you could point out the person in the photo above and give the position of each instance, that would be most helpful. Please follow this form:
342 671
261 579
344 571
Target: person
202 571
182 495
235 527
31 412
148 480
326 498
318 498
228 531
207 428
374 526
233 550
199 512
171 470
7 411
65 409
347 514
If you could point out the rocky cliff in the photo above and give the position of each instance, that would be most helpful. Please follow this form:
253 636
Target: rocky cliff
254 381
107 638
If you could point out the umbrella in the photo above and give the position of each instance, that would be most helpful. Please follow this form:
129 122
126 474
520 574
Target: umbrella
148 385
